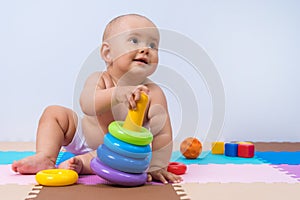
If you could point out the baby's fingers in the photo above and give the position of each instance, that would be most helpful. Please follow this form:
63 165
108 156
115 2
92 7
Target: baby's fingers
137 92
173 178
149 177
146 90
143 88
131 102
137 95
161 178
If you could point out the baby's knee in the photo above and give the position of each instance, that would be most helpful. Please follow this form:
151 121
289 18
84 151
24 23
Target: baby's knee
55 112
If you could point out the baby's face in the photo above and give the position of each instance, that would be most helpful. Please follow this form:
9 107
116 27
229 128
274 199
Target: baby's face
134 48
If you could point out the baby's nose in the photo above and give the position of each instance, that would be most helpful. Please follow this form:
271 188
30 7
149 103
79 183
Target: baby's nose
144 50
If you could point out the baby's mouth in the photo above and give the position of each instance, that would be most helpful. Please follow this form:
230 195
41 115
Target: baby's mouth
141 60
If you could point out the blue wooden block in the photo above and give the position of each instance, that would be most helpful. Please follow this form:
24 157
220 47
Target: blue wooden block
231 149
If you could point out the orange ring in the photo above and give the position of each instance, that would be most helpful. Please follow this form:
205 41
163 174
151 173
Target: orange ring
177 168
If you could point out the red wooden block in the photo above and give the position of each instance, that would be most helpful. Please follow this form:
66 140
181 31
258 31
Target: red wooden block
246 150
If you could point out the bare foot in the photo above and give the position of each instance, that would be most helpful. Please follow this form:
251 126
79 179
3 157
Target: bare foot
74 163
33 164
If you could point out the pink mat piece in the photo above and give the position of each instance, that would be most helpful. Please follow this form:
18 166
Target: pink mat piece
7 176
292 170
229 173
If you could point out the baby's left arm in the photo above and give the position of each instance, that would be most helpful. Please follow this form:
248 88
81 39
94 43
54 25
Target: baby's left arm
162 144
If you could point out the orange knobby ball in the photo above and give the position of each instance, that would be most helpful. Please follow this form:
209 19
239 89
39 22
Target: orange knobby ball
191 148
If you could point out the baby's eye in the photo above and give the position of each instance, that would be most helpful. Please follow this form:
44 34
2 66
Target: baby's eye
152 46
134 40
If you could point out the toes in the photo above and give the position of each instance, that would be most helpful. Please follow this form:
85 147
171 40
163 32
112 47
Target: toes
14 166
72 163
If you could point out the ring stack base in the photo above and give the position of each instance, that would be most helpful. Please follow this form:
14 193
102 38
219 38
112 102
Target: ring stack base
116 176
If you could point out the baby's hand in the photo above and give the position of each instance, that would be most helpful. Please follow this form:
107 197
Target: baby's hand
136 95
130 94
164 176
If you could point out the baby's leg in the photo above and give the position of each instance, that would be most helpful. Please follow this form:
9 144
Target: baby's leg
57 127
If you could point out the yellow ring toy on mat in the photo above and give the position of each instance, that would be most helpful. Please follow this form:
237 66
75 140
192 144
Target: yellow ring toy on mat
56 177
143 137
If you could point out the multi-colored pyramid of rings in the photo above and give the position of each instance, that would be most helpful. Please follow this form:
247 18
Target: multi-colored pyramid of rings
125 154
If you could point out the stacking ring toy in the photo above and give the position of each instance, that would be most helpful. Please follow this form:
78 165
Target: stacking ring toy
122 163
125 155
56 177
176 168
126 149
143 137
116 176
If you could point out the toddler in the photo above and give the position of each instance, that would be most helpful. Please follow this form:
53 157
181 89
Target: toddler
130 51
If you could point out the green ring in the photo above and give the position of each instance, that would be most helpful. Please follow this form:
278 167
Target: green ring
144 137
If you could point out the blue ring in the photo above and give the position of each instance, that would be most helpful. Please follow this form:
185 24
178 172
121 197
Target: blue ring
122 163
115 176
126 149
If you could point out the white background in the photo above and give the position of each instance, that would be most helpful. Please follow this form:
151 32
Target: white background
255 46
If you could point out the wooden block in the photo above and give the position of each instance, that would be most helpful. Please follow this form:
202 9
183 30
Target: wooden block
246 150
217 148
231 149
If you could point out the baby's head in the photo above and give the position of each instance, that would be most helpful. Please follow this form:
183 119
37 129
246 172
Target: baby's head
130 44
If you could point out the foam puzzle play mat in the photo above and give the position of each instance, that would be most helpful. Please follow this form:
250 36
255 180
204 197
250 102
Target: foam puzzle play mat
257 165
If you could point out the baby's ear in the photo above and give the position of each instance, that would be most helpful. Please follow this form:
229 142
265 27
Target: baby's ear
105 52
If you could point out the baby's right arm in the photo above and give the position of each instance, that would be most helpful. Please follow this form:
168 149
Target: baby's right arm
100 93
96 95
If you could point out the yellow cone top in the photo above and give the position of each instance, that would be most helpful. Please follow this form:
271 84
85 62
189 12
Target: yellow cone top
135 118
